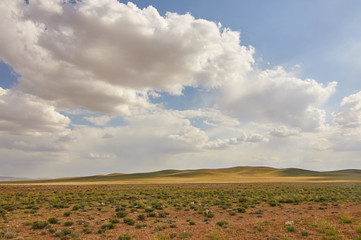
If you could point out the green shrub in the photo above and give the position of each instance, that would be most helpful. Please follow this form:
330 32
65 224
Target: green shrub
114 220
121 214
39 224
87 230
241 210
160 228
290 228
141 217
208 214
68 223
157 205
151 214
148 210
124 236
185 235
129 221
9 234
162 214
67 214
107 226
222 223
53 220
346 219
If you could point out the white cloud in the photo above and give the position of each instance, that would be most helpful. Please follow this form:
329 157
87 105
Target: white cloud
26 113
244 138
284 131
350 116
277 96
99 121
106 56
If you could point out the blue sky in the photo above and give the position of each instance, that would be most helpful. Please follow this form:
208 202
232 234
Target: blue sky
125 87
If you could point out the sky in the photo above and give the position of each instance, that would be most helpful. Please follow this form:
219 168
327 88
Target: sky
104 86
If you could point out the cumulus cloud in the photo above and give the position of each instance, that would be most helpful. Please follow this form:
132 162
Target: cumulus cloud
99 121
350 115
107 56
277 96
284 131
21 113
244 138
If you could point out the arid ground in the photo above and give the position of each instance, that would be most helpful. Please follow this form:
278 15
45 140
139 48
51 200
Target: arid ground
182 211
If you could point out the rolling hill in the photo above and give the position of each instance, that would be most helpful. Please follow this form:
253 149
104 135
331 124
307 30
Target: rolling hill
223 175
4 178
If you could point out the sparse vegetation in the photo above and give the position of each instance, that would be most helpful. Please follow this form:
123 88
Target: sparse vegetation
219 211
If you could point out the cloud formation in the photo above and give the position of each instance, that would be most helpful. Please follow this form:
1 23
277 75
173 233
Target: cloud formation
277 96
350 116
106 56
21 112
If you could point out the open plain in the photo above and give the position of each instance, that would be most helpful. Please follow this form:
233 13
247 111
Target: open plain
181 211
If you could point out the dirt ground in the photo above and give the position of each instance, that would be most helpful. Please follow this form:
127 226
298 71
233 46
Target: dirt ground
307 220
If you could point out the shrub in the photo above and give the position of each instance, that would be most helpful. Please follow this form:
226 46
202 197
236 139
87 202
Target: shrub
222 223
148 210
68 223
304 233
87 230
114 220
139 226
67 214
129 221
121 214
160 228
232 213
162 214
290 228
241 210
208 214
141 217
76 207
107 226
64 233
151 214
346 219
39 224
273 203
53 220
117 209
27 223
157 205
124 236
185 235
9 235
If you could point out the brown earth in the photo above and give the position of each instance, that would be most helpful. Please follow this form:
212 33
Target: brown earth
316 220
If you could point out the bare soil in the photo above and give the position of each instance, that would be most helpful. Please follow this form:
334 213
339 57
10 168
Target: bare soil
306 220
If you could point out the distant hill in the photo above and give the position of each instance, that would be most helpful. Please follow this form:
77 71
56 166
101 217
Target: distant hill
222 175
2 178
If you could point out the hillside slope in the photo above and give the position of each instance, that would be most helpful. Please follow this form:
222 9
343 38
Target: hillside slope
226 175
